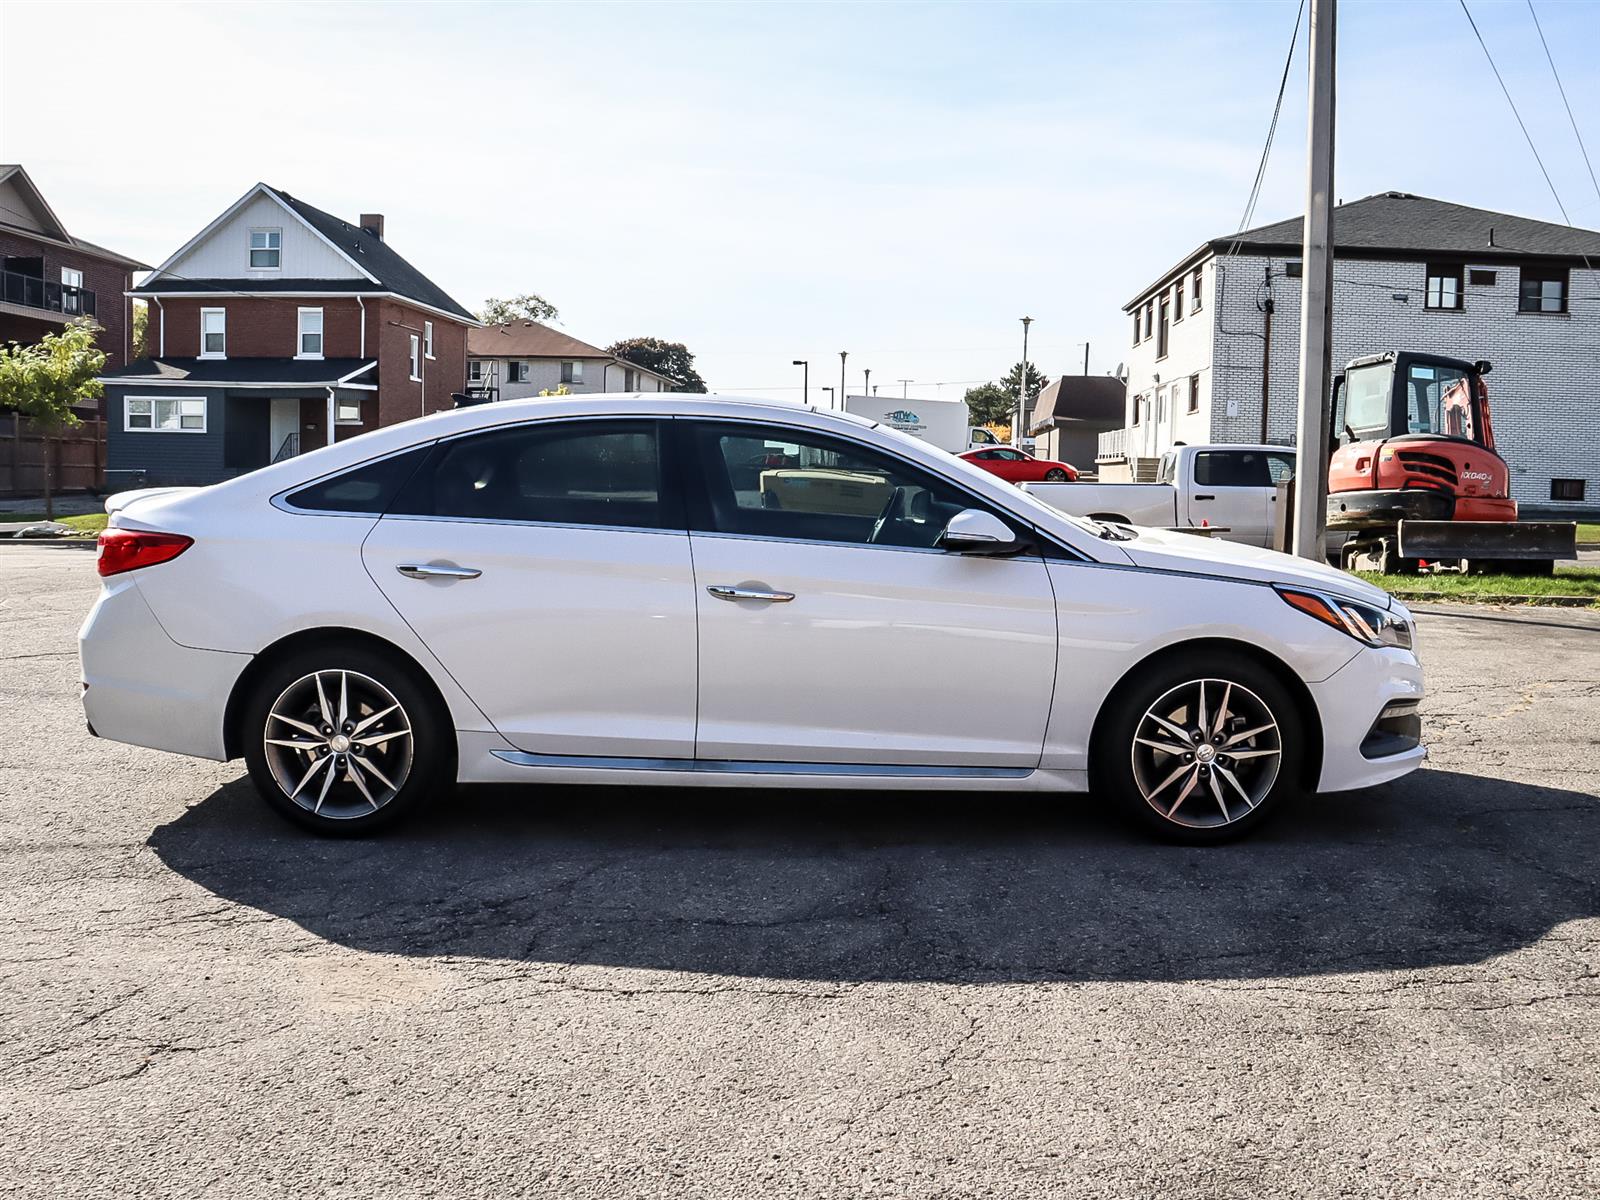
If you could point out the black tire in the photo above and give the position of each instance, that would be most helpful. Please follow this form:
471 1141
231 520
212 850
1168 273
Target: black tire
1055 475
1118 764
425 747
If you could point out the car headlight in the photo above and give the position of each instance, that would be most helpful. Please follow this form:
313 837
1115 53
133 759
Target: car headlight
1364 622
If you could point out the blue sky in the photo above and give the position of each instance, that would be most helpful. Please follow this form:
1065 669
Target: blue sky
768 182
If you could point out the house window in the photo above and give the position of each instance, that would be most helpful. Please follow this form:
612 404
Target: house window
1294 269
1444 286
266 249
71 277
164 414
347 412
1194 394
71 290
1566 489
1177 303
1138 410
1135 327
1543 290
475 371
427 338
213 332
1481 278
416 357
1149 318
517 372
572 372
310 333
1195 289
1164 329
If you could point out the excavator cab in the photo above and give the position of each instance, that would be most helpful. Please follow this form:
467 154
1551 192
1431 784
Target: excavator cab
1401 395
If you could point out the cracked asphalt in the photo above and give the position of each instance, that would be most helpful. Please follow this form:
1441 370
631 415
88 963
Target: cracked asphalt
625 993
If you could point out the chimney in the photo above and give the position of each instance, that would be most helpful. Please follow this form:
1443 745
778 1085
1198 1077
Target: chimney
373 224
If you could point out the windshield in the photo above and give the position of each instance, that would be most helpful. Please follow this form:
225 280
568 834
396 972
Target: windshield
1365 401
1439 400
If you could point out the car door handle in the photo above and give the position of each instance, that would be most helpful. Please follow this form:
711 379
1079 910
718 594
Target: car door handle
1203 497
431 571
723 591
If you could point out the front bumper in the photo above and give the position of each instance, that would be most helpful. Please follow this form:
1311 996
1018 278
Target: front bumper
142 687
1352 702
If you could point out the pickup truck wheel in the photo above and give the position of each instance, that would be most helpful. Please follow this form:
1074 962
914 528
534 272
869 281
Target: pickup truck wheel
1201 749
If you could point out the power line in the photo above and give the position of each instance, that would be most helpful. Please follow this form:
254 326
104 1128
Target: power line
1582 149
1520 124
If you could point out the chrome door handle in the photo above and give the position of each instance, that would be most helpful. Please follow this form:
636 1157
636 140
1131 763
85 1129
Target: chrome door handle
723 591
429 571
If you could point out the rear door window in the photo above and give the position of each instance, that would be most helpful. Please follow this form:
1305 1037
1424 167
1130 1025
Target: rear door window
602 473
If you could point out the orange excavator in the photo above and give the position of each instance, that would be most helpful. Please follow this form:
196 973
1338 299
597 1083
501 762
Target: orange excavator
1415 478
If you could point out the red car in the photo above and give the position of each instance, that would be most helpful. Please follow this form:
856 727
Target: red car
1018 466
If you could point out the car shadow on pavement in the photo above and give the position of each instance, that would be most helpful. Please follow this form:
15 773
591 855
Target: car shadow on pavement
1436 869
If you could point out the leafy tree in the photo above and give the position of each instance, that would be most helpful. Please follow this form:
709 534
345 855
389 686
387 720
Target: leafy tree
141 329
1037 382
991 404
527 307
44 381
671 359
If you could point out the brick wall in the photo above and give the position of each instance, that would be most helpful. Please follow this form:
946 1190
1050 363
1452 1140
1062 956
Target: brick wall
108 281
259 327
392 324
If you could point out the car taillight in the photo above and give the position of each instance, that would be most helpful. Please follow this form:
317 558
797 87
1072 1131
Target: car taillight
129 549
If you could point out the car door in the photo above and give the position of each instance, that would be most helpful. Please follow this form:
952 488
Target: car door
833 630
546 565
1230 490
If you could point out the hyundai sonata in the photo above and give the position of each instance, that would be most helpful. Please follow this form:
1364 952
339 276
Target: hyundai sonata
697 591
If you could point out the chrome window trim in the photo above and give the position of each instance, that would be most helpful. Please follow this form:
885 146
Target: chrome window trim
718 766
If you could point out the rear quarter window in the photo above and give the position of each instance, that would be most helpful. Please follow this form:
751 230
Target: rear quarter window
367 489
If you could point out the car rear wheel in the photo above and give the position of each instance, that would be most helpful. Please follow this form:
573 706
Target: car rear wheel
1055 475
1202 749
343 741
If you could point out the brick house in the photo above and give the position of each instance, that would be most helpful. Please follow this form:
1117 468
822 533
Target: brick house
48 277
1215 341
524 358
277 329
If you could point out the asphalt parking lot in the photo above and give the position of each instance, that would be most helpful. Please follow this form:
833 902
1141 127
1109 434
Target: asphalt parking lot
626 993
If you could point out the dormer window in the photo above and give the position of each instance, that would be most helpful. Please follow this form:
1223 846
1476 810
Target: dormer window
266 249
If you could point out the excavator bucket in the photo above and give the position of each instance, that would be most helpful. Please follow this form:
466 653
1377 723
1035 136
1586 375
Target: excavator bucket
1488 541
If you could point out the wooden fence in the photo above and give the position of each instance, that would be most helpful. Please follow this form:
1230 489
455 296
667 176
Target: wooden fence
77 457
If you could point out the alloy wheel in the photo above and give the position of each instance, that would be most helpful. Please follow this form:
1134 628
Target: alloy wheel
1207 753
338 744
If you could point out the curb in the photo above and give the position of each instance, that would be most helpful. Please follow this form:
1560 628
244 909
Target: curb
1506 599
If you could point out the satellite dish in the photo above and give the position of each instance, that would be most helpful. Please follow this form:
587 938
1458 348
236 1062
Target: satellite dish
1121 372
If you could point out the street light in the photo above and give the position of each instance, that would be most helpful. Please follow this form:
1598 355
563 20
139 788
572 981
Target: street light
829 390
1022 387
805 380
903 383
866 382
843 354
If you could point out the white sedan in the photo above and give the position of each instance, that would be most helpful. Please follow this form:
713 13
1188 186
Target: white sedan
684 590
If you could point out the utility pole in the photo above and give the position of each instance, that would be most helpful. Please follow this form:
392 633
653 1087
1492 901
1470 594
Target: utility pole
843 354
903 384
1022 388
805 380
1086 358
1316 295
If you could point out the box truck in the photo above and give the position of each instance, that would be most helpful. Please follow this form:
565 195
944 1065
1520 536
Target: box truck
943 423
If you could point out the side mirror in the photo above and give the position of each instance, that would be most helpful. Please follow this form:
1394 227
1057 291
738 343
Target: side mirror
973 531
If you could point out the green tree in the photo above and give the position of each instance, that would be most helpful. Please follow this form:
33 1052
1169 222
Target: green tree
141 329
671 359
991 404
1037 382
527 307
44 381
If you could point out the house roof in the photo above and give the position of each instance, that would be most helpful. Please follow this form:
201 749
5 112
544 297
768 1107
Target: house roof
382 268
49 226
246 372
1405 226
1093 399
374 255
530 339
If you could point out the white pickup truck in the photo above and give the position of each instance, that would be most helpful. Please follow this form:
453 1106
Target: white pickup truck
1230 487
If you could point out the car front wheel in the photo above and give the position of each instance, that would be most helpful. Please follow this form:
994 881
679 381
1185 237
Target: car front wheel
343 742
1202 749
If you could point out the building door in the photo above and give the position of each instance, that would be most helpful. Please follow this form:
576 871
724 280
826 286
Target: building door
284 436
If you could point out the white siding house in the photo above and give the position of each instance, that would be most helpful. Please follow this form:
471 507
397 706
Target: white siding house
1410 274
524 358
